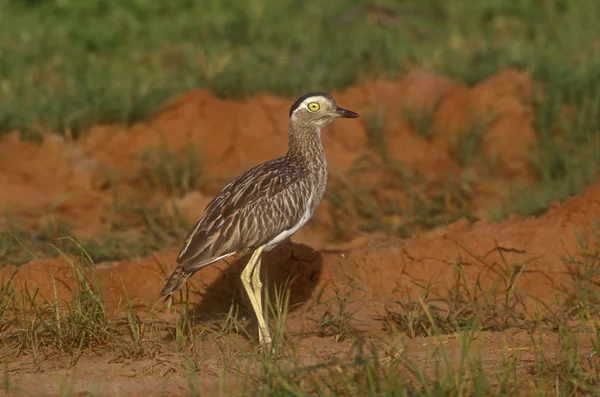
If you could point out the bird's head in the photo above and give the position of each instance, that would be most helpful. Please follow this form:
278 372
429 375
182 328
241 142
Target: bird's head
319 109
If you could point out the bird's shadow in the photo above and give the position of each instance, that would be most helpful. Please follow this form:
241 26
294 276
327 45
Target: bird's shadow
296 267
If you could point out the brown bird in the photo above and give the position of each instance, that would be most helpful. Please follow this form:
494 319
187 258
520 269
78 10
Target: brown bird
265 205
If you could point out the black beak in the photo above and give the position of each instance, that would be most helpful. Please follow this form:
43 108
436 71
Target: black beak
345 113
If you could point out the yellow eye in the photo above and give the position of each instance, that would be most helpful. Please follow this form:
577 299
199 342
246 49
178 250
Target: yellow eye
313 106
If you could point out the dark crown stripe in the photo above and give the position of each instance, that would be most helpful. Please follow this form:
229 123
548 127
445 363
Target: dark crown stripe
308 95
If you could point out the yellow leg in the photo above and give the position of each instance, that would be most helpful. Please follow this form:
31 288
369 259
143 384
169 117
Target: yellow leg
257 288
263 331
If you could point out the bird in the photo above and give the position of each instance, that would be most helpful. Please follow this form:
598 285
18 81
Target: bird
264 205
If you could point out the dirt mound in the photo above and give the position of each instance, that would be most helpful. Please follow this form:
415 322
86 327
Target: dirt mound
72 179
423 118
493 254
419 124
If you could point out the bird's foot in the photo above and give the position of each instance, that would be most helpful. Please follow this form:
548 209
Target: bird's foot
265 343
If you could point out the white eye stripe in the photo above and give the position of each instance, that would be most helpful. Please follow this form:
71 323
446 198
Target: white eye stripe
307 102
320 101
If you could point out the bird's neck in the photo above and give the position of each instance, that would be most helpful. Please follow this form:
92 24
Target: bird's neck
305 144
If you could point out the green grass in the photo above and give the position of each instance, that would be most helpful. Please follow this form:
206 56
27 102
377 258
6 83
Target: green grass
464 311
38 332
421 121
467 147
336 321
465 304
567 157
377 135
564 162
379 194
65 65
134 230
176 173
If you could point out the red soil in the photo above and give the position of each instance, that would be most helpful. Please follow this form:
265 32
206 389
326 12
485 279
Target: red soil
76 181
72 181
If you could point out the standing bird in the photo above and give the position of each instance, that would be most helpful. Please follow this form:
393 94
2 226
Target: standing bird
265 205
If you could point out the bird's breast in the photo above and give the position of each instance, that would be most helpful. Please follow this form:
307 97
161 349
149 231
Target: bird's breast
307 213
320 187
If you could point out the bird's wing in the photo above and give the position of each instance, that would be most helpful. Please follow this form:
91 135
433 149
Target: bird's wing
248 213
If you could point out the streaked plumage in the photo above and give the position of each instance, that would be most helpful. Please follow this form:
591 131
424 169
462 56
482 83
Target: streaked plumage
266 204
248 213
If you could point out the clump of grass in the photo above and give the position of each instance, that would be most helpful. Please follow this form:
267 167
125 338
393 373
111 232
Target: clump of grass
464 305
377 136
350 200
396 202
424 310
37 240
134 231
384 196
567 157
41 327
422 120
156 229
467 147
583 299
185 335
337 319
176 173
433 204
132 347
44 325
86 322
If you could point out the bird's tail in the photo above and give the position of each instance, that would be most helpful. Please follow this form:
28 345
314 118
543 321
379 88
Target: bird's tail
178 277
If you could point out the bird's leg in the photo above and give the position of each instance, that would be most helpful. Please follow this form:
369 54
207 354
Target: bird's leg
256 283
257 287
246 280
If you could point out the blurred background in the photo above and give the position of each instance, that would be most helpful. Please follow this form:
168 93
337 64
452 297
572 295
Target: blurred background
472 109
70 64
